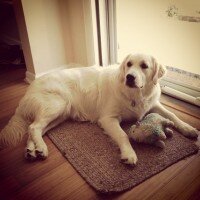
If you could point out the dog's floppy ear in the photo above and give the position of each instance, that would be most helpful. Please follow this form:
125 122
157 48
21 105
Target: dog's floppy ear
159 71
125 60
122 67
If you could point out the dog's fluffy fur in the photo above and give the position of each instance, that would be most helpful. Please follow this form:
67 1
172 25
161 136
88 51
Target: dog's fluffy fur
96 94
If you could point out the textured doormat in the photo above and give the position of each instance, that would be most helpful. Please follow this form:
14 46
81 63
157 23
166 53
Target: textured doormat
97 158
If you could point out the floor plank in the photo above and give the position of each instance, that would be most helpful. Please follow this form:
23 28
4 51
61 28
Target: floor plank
181 106
184 179
49 181
189 191
155 183
55 178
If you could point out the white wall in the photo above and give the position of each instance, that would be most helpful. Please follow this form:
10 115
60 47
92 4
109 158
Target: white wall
143 26
78 31
44 31
23 35
57 32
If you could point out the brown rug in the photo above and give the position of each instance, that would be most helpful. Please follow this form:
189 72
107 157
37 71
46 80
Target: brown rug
97 158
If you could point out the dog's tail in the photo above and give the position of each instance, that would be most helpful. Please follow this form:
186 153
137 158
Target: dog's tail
14 131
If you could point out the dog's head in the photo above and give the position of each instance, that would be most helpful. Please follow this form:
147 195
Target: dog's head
137 71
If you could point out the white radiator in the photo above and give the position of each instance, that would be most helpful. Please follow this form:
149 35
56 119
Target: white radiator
181 91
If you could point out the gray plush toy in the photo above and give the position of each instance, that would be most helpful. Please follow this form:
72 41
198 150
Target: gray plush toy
153 129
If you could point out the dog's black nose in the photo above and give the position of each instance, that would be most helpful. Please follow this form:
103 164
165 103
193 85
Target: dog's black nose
130 80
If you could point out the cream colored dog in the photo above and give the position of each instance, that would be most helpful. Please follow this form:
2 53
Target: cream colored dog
103 95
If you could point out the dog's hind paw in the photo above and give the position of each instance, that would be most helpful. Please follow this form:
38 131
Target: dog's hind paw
33 152
30 155
41 154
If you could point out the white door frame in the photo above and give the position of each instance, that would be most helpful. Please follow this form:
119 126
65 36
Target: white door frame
107 34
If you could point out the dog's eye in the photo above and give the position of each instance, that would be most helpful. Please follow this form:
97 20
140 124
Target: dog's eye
144 66
129 64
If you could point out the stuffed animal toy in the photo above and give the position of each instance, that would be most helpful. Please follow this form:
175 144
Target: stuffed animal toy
153 129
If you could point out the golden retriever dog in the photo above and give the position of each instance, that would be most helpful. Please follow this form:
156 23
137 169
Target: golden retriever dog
104 95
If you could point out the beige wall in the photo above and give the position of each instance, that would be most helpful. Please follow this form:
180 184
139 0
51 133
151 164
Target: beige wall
143 26
76 25
44 31
23 35
56 33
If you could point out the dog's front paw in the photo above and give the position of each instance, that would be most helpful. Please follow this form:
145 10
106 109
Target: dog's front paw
189 131
193 133
129 157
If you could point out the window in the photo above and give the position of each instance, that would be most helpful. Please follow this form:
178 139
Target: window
168 30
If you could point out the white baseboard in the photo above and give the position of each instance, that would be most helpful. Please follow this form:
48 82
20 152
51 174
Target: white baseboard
169 86
181 91
30 77
180 95
180 83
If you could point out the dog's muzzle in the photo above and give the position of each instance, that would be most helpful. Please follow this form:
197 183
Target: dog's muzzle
130 80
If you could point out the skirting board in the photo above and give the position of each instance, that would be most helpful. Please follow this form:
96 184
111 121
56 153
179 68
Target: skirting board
30 77
181 91
169 86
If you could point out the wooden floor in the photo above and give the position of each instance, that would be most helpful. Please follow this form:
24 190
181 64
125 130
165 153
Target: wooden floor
56 179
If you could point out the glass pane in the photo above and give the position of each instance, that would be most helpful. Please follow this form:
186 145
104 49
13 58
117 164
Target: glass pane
169 30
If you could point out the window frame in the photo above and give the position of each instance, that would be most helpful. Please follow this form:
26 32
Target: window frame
107 39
